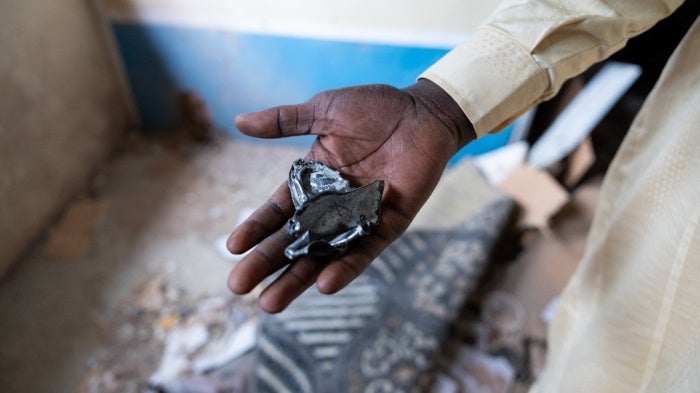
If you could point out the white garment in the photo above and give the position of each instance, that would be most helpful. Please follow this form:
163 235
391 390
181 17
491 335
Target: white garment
629 319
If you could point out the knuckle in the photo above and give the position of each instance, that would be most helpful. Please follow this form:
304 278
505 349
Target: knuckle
303 271
286 118
278 208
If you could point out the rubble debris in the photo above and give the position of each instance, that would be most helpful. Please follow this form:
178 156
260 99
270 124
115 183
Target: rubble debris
192 384
194 117
171 342
72 237
583 113
496 165
152 296
579 162
167 322
535 357
181 342
548 312
503 313
480 372
234 345
537 192
329 212
444 384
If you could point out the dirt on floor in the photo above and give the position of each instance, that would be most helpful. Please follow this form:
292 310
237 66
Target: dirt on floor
127 290
135 256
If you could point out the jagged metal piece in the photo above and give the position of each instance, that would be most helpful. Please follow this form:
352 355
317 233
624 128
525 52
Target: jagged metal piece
308 179
329 212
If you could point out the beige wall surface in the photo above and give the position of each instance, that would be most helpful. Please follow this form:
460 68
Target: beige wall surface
61 109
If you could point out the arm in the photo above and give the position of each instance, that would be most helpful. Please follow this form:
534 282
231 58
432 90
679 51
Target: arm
526 50
521 56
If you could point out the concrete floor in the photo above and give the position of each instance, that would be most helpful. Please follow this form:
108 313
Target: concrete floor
91 306
158 208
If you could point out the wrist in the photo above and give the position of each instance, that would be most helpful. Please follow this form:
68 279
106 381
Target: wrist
444 108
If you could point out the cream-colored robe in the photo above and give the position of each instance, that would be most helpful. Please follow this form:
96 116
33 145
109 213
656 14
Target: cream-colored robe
629 319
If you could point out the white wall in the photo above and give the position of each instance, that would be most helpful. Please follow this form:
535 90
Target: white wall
441 23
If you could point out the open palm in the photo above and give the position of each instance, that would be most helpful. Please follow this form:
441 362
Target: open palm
367 133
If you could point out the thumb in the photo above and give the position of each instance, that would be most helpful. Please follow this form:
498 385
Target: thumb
277 122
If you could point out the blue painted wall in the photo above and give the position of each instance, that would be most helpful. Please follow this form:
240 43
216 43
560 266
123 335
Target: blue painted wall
236 72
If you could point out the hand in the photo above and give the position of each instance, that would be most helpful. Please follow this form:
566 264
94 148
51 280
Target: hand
404 137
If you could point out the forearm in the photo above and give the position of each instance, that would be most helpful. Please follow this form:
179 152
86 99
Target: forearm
526 50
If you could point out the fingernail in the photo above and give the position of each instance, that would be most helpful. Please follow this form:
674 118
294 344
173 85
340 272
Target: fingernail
240 118
271 306
327 286
233 243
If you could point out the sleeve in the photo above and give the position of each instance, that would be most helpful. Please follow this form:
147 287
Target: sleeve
526 50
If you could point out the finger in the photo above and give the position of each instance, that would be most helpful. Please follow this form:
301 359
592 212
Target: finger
278 122
265 220
342 271
298 277
265 259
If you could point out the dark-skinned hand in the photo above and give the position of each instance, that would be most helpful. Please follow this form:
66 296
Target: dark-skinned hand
403 136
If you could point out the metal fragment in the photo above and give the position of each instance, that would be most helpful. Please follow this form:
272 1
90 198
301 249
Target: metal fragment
329 212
